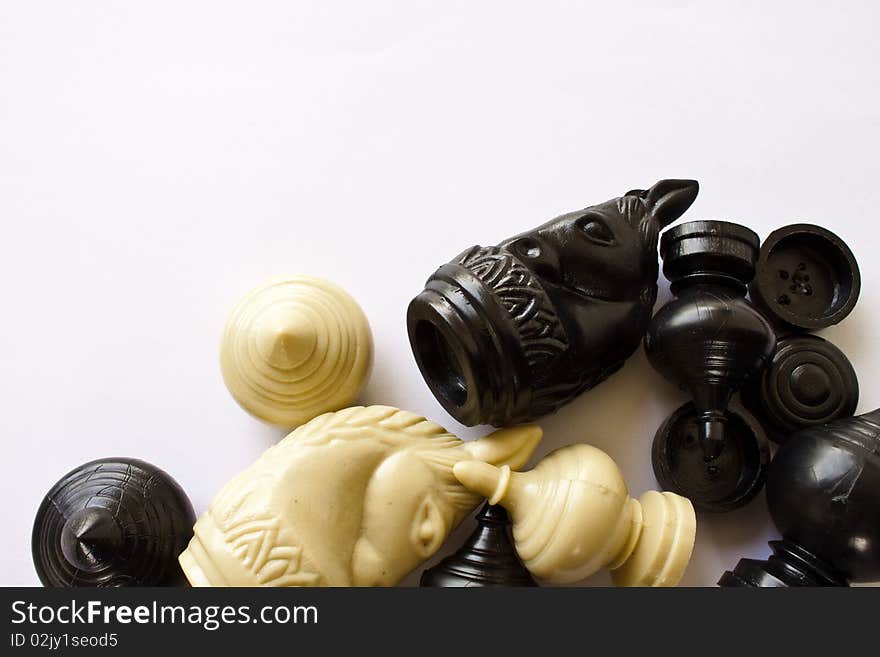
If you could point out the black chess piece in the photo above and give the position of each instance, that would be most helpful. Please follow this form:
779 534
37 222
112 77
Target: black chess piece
487 557
823 493
807 278
112 522
808 382
507 333
709 340
728 481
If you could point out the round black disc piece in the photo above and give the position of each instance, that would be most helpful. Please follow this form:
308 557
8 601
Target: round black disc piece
112 522
724 483
808 382
807 277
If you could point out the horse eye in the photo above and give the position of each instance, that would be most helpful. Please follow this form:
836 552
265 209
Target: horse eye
597 231
529 247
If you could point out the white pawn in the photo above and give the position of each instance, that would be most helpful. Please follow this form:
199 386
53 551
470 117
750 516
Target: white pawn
572 515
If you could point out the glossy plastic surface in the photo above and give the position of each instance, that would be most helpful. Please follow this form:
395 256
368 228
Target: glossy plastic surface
112 522
487 557
807 277
505 334
572 515
295 347
789 565
709 340
823 493
359 497
724 483
808 382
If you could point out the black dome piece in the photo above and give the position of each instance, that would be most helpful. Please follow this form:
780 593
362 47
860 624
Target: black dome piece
112 522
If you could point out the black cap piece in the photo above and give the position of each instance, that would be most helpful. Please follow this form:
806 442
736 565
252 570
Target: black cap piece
807 277
808 382
728 481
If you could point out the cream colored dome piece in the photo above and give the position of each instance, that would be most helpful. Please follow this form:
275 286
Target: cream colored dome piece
295 347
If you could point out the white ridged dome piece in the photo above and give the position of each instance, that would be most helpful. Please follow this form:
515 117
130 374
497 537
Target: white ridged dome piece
296 347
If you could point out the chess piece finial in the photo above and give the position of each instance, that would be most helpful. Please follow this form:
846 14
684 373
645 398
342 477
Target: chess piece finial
359 497
112 522
487 557
507 333
572 515
823 493
709 340
294 348
90 537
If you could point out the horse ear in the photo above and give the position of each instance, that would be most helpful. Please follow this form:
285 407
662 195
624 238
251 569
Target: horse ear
668 199
429 528
512 446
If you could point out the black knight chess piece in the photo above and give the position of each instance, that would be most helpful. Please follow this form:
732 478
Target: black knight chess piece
507 333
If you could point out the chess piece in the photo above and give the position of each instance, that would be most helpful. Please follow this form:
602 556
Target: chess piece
294 348
112 522
487 557
807 278
730 480
709 339
507 333
359 497
572 515
808 382
822 493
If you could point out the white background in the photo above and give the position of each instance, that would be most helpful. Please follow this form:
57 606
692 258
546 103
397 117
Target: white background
159 159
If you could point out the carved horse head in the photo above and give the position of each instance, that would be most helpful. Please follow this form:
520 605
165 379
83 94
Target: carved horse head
353 498
504 334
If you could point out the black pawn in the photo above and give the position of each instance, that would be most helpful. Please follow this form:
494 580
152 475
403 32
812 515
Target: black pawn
710 341
823 493
487 557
